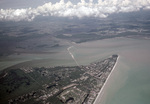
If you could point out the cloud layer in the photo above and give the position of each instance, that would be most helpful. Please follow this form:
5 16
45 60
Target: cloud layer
82 9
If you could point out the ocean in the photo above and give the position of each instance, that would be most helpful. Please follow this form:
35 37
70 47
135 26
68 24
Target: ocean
130 81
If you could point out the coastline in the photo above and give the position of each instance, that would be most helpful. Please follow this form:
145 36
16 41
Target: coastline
100 94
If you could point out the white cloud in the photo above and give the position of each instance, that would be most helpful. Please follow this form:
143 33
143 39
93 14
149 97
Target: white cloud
82 9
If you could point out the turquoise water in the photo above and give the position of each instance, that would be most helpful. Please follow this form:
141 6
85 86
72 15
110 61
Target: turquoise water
136 87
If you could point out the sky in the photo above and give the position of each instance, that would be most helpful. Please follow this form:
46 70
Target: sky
27 10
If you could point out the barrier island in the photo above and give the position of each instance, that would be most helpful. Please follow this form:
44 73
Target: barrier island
55 85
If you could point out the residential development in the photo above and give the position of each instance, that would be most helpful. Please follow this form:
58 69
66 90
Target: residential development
55 85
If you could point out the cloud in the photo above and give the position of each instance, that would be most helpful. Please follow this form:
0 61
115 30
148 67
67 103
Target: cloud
101 9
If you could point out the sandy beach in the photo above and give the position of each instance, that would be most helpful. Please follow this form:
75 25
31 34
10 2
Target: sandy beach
100 94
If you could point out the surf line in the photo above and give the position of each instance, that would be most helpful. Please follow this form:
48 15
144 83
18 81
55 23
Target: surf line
100 94
72 55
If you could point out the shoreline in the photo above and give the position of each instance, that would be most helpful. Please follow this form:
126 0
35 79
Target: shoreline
100 94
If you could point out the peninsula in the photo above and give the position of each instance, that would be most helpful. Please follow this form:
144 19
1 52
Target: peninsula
55 85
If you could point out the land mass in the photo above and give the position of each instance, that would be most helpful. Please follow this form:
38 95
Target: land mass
44 34
55 85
